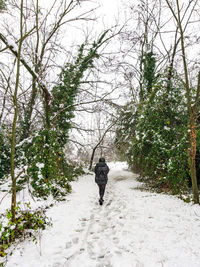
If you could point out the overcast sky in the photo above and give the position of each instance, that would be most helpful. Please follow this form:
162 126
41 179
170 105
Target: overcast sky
110 10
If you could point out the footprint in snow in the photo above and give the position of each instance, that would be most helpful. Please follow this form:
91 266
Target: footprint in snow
57 264
95 237
118 252
68 244
84 219
75 240
116 240
109 203
79 230
139 264
83 224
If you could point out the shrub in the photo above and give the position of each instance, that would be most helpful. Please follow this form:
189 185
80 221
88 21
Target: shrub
27 223
158 137
4 156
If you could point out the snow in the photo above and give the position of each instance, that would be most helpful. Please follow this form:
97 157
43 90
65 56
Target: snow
12 43
134 227
40 165
167 128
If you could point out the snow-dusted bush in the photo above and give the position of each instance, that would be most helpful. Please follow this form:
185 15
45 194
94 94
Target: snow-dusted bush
26 223
4 156
156 136
46 170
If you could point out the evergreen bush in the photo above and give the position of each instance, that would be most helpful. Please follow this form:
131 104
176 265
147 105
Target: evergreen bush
157 137
4 156
27 223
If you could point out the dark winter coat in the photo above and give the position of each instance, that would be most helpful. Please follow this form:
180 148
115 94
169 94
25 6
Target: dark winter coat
101 165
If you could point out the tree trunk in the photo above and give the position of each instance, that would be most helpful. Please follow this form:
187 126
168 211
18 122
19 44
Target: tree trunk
192 160
29 111
192 111
92 157
47 128
13 143
12 160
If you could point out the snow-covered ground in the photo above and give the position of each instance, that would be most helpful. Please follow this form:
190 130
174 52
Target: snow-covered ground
132 228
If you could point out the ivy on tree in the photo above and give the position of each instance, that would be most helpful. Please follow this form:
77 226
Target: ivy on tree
2 5
48 170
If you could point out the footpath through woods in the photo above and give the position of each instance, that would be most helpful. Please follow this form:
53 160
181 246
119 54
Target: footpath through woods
133 228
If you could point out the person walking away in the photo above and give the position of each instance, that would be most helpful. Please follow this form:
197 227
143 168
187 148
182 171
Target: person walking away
101 177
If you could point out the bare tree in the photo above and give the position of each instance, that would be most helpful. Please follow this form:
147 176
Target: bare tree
40 51
102 134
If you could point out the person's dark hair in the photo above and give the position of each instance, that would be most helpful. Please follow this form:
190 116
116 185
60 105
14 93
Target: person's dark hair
101 160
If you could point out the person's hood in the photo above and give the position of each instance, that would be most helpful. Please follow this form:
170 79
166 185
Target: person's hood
101 160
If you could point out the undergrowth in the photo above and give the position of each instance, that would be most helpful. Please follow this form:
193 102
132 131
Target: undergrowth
26 224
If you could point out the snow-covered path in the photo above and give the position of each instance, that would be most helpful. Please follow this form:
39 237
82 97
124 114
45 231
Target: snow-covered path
132 228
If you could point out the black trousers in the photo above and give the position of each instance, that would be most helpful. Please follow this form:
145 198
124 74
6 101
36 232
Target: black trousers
101 190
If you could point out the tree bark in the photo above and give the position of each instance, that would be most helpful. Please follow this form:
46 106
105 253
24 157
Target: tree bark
193 158
15 102
92 157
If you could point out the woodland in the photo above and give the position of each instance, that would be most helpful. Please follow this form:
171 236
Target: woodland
71 91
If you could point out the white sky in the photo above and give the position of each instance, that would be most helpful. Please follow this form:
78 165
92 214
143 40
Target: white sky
110 10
